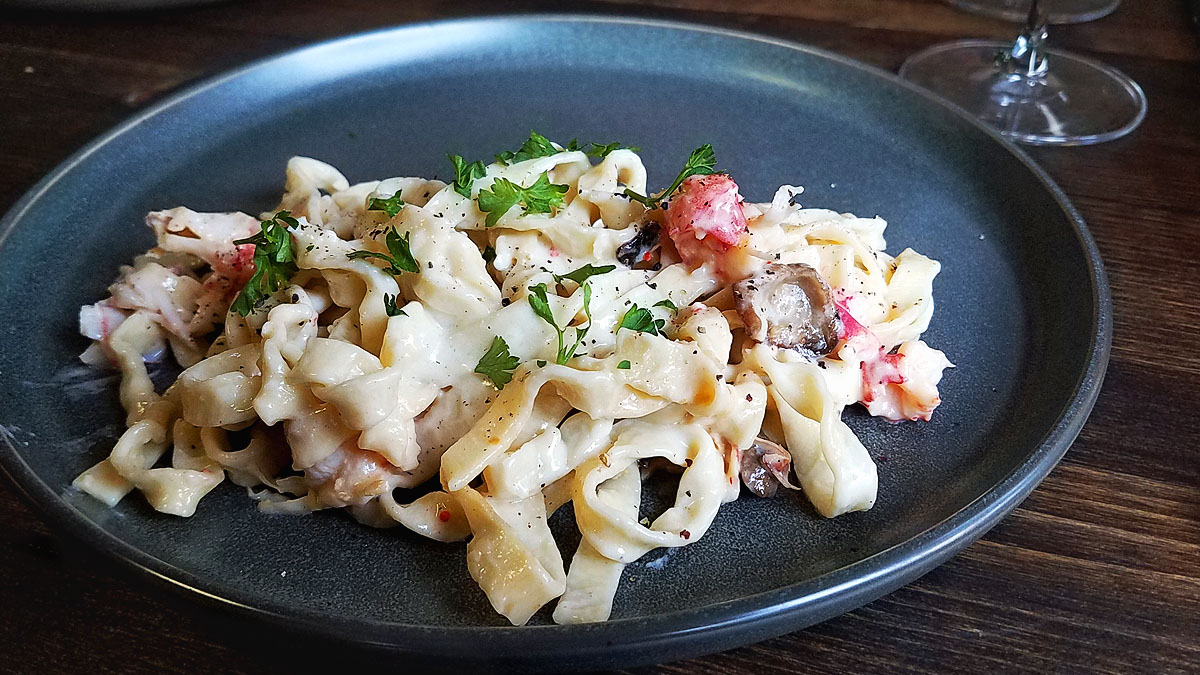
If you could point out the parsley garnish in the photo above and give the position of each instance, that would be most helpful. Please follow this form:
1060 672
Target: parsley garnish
541 197
702 162
641 320
537 146
497 364
601 151
401 258
465 174
668 304
489 254
390 206
624 365
584 273
389 306
541 307
274 261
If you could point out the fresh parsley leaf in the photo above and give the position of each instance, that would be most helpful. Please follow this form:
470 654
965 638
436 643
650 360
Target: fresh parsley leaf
541 363
389 306
540 303
641 320
541 307
274 261
668 304
601 151
541 197
466 174
702 162
489 254
537 146
566 355
624 365
390 206
574 146
497 364
584 273
401 258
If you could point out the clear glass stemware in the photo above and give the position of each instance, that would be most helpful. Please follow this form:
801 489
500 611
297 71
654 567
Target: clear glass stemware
1063 11
1030 93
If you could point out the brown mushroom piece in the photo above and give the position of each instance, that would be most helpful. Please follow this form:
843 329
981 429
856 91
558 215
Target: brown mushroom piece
764 467
789 306
640 247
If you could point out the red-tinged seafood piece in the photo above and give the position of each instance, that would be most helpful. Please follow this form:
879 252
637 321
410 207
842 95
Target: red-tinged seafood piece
706 223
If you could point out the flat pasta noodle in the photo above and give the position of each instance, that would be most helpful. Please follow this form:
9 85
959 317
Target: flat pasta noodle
507 363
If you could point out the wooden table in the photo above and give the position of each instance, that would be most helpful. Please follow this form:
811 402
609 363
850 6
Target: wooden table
1099 570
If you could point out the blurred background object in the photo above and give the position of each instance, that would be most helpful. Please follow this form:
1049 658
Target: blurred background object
1029 93
1061 11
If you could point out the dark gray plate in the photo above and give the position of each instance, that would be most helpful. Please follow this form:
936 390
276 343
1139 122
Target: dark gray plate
1023 309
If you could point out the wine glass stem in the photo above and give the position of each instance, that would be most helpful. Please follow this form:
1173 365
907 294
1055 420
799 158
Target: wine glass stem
1025 57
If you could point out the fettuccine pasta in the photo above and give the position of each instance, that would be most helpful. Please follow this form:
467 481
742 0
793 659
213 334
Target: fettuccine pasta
541 330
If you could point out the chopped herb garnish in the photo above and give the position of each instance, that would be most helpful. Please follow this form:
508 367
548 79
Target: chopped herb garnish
702 162
390 206
668 304
624 365
401 258
466 174
541 363
489 254
274 261
536 146
541 197
497 364
584 273
601 151
540 303
389 306
641 320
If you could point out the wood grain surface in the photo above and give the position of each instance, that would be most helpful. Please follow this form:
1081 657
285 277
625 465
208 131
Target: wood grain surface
1098 571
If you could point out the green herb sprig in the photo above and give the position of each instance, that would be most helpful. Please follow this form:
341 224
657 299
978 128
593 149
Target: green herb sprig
584 273
497 364
641 320
390 206
666 302
390 307
541 197
540 303
401 258
535 146
702 162
274 261
602 150
465 174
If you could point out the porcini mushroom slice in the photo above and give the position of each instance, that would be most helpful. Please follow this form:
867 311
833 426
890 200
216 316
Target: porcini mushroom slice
765 467
789 306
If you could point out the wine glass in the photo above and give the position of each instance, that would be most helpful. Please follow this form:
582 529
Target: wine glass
1029 93
1063 11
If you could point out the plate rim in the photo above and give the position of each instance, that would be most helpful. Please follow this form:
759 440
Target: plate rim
675 634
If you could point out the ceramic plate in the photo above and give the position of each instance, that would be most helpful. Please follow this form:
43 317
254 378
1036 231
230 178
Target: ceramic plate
1023 310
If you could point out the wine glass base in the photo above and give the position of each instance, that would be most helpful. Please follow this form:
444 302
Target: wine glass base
1061 11
1078 102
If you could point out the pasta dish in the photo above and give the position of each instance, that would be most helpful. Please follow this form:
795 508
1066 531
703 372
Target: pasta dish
541 330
